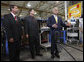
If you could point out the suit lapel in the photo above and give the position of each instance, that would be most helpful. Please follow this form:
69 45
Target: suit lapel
12 19
18 19
54 18
58 19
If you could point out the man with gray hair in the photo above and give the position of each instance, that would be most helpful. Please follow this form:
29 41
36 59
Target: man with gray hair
55 23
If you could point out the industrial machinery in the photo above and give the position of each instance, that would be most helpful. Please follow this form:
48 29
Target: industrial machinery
73 32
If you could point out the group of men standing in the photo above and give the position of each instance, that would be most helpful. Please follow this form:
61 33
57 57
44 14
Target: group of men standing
12 24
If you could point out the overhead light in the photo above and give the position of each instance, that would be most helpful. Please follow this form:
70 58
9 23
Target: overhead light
57 1
28 5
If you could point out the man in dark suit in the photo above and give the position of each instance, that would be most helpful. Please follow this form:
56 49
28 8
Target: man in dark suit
32 32
55 23
14 32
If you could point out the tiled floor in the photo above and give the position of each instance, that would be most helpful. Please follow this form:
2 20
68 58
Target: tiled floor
64 56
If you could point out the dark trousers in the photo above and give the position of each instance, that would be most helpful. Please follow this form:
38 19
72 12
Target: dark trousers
14 51
54 39
34 45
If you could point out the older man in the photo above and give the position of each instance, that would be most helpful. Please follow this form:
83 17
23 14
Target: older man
55 23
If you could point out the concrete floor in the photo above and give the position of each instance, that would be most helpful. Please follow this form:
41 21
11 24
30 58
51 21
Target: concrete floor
64 56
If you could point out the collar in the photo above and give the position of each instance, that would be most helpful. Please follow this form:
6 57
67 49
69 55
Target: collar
13 14
54 15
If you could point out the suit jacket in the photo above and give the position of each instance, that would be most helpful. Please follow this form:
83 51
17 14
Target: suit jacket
51 21
31 26
12 28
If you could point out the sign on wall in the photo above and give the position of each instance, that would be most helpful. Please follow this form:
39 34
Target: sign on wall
74 11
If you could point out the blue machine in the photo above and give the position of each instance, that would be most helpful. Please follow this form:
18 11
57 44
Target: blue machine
6 45
64 37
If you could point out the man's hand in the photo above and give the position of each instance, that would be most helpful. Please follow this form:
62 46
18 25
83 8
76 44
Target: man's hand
80 29
68 24
11 40
54 26
27 35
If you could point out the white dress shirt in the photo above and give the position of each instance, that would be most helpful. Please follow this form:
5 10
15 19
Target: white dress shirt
55 16
13 14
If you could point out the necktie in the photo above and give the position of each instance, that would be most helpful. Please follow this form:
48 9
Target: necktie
56 19
16 19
